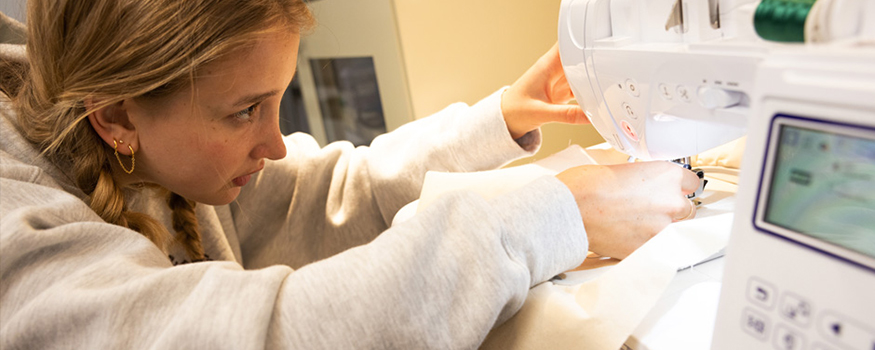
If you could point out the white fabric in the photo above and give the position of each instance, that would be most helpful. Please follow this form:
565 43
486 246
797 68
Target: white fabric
595 312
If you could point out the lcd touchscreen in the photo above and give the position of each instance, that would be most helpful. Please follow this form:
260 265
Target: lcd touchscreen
823 186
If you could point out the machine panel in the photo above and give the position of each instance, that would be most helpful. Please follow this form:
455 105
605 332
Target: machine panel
818 187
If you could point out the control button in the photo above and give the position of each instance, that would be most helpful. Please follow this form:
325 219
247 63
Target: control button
632 87
629 130
755 324
684 93
845 332
785 339
795 309
711 97
629 111
761 293
665 92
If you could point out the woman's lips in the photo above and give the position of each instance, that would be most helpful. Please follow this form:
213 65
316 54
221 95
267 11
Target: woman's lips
241 181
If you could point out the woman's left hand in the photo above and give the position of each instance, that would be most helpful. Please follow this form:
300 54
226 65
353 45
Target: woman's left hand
539 97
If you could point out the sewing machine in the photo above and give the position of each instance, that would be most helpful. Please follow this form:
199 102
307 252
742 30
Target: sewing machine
669 79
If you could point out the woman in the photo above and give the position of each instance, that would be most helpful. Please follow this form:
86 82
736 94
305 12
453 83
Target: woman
149 200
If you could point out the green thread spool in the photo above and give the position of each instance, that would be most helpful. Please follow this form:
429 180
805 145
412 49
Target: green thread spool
782 20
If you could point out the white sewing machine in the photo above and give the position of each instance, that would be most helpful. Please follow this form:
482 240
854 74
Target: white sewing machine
668 79
662 79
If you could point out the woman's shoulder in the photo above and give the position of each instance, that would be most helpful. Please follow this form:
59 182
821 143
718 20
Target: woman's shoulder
20 160
31 195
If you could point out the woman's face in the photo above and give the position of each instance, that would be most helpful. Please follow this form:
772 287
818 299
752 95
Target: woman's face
205 143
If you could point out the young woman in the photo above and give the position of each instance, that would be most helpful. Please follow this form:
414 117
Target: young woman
149 200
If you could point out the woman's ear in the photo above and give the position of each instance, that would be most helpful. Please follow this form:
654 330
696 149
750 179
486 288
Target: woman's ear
114 126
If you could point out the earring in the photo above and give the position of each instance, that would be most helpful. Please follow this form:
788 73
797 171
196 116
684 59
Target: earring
133 162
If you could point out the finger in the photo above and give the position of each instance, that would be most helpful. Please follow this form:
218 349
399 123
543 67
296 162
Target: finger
690 182
594 263
568 114
561 92
551 57
688 211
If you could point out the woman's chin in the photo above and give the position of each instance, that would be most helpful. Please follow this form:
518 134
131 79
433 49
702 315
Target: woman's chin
225 196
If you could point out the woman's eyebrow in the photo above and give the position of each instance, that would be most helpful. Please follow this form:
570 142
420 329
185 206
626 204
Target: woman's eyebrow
254 98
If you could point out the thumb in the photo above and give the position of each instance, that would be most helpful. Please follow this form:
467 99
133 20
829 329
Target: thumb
568 114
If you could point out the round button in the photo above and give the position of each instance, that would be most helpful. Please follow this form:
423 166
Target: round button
629 111
684 93
665 92
629 130
632 87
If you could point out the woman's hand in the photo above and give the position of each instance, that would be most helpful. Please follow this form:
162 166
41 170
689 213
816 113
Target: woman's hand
623 206
539 97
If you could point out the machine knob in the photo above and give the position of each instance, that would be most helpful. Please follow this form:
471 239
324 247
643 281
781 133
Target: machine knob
712 97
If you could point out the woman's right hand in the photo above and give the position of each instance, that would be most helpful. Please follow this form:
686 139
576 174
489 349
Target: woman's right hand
625 205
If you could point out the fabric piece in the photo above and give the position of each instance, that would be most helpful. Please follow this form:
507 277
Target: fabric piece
602 312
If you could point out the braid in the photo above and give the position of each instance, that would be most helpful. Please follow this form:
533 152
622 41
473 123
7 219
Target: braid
108 201
186 226
93 174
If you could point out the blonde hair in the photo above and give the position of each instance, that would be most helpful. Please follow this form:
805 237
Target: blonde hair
111 50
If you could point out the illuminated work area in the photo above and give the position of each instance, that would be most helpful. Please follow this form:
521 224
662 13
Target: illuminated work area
717 157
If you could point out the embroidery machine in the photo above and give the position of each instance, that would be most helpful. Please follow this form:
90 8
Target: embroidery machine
670 79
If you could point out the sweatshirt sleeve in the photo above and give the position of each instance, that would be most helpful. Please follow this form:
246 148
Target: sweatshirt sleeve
440 280
318 202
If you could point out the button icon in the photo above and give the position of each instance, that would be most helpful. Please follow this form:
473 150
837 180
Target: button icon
684 93
785 339
761 293
632 87
629 111
846 332
665 92
629 130
795 309
755 324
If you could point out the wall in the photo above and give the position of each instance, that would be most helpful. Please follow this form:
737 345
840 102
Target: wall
356 28
462 50
14 9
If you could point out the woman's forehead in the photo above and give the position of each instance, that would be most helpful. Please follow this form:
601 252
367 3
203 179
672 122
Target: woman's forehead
258 68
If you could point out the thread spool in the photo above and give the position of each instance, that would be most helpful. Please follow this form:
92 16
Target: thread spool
782 20
839 20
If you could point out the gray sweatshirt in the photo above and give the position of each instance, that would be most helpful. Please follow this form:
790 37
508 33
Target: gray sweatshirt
304 258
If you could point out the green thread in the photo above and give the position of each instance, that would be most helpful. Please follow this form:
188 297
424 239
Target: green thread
782 20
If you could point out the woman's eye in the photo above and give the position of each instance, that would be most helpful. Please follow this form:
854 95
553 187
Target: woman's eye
246 114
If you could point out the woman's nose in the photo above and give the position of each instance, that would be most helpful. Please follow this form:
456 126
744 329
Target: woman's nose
276 146
271 145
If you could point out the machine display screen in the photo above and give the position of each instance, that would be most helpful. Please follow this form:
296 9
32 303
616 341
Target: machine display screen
823 186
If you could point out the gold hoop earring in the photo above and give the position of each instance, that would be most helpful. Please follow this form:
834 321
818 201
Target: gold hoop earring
133 161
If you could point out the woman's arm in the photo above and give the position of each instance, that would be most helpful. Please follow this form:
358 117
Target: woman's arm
318 202
441 280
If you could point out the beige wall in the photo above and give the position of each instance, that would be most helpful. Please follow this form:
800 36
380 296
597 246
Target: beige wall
463 50
430 54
